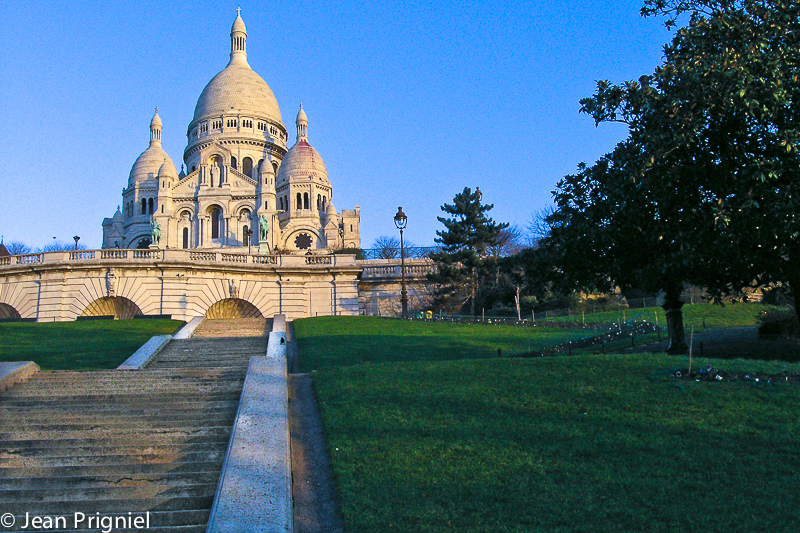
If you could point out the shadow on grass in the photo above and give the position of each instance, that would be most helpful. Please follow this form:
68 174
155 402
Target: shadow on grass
570 444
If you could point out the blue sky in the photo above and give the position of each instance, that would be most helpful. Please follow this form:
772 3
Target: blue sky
408 102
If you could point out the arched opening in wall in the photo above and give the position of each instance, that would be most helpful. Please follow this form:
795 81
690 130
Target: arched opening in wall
119 307
319 202
299 201
233 163
8 313
275 168
185 238
305 201
216 220
324 203
150 206
143 243
144 206
233 308
245 237
247 166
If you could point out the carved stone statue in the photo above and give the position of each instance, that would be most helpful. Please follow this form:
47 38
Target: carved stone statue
155 236
263 226
233 289
111 283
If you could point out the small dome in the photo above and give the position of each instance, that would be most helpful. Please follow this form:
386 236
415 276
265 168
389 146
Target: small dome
148 164
330 211
156 122
301 116
301 161
167 170
117 216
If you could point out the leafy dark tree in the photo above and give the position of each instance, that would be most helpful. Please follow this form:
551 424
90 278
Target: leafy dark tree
464 263
705 189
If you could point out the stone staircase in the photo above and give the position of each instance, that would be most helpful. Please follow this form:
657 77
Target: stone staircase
118 442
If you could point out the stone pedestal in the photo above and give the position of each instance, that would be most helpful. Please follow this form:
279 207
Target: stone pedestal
263 248
154 247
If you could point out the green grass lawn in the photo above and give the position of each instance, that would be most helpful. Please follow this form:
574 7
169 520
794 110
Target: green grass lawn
564 444
715 316
342 341
85 345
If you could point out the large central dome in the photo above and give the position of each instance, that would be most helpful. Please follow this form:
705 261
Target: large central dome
237 89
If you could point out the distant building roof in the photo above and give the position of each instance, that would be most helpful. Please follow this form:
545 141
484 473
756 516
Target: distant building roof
3 250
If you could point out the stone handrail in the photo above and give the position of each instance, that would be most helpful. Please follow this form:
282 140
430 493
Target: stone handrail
114 256
414 269
242 175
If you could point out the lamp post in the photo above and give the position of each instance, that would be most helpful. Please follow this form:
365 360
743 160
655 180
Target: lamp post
76 239
400 221
249 239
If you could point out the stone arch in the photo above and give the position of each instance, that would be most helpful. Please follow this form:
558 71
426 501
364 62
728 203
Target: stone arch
140 242
233 308
316 239
119 307
8 313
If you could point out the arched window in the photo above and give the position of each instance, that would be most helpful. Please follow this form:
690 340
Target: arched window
150 206
319 202
305 201
185 238
324 203
299 201
245 236
233 163
275 167
215 223
247 166
144 206
194 168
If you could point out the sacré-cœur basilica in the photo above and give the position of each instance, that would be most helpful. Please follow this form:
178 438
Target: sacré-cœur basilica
238 174
246 228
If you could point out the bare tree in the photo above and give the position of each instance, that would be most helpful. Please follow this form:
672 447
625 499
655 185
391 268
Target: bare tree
538 227
389 247
17 248
509 242
58 246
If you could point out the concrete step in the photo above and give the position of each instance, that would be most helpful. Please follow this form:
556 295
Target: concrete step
152 434
22 461
233 327
125 467
108 480
64 504
141 492
72 422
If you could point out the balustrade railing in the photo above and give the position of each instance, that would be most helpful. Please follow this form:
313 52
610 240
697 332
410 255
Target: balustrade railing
81 255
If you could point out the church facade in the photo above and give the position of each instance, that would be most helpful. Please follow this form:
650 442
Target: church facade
241 187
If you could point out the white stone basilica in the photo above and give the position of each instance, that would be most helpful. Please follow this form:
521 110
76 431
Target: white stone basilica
238 170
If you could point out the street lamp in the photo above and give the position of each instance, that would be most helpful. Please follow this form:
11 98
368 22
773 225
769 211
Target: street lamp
400 221
249 239
76 239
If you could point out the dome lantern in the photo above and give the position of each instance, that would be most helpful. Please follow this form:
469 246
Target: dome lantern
302 125
238 39
155 129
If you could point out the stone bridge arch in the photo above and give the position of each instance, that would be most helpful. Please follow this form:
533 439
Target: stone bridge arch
8 313
119 307
233 308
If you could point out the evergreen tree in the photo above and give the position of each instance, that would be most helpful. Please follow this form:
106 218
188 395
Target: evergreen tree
465 261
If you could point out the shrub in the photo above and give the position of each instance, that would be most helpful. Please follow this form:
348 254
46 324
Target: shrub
781 322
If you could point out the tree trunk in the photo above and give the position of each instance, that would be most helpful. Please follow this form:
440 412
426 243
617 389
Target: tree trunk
672 307
516 302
